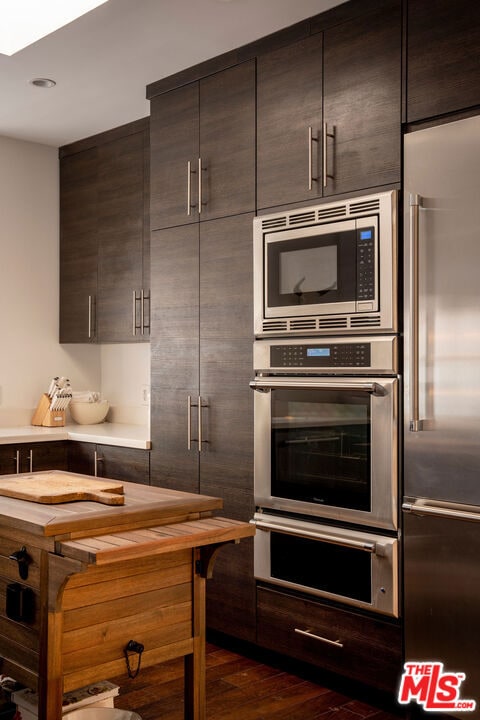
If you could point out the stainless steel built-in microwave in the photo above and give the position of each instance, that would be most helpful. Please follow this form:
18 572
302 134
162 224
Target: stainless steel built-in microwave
327 268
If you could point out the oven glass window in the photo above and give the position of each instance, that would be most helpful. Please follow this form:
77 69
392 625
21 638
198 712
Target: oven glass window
321 566
312 270
321 447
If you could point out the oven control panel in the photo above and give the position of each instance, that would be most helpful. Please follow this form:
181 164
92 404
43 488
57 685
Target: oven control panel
321 355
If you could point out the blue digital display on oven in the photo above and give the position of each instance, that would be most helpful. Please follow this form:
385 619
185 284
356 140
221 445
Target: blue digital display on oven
365 234
318 352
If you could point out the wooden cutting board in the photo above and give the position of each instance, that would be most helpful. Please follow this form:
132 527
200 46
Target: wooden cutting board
58 487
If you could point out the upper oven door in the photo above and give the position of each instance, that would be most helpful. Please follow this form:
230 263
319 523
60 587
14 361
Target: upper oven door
328 447
320 270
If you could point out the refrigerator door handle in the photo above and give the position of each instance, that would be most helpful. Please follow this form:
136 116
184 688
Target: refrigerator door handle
415 205
418 508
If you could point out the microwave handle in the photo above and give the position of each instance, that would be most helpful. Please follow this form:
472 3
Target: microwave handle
317 535
271 384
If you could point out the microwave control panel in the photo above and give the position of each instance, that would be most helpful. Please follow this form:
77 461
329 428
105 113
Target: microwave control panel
321 355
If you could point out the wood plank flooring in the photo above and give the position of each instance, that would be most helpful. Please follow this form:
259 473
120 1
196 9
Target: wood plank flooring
241 688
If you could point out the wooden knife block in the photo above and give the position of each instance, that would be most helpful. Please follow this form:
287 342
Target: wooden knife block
46 417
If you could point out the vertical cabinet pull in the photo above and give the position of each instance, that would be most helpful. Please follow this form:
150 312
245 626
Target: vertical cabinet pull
327 135
97 459
142 298
91 316
30 460
415 205
199 405
189 188
134 313
17 461
311 140
200 203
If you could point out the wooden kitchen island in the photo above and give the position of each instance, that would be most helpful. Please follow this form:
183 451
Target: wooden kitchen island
80 580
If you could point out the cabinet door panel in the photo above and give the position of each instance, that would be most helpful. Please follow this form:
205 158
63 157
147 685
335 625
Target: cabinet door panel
227 141
173 143
8 459
81 458
78 245
362 85
45 456
289 101
442 57
175 356
120 213
226 350
370 649
120 463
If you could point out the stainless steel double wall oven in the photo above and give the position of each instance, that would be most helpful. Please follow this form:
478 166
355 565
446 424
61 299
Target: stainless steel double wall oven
326 408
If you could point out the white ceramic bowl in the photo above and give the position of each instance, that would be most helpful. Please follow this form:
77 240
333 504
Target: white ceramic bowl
86 413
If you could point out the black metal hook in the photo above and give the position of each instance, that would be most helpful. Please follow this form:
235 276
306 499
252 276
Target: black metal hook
23 559
133 647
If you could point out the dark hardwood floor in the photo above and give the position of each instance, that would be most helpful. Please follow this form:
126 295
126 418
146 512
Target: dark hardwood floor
241 688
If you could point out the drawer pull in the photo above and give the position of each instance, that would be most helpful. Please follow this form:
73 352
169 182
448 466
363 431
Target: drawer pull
310 634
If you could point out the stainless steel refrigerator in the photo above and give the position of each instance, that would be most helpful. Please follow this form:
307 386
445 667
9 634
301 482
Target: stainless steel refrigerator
442 401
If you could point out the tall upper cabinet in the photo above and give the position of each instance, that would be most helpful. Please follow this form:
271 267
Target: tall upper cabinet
104 238
203 149
443 67
328 110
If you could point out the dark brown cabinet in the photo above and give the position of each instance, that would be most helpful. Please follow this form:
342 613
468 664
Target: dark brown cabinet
443 68
78 246
110 461
202 356
202 140
363 648
31 457
329 111
104 241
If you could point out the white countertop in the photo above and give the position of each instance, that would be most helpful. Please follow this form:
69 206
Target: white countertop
120 434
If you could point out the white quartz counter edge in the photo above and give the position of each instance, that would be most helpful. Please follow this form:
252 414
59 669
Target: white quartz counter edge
122 435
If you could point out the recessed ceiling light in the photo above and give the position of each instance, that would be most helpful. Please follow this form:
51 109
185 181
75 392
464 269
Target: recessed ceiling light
22 22
43 82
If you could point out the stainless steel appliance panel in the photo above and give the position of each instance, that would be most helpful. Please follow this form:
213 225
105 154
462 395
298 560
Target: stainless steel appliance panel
354 567
442 312
327 447
442 590
442 399
360 276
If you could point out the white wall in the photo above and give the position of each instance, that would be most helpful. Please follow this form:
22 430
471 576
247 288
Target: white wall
29 275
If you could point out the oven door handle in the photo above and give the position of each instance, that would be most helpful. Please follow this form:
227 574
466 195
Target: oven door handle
333 539
266 386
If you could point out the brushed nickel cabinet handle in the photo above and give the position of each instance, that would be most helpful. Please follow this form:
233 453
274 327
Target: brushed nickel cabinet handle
189 188
199 185
312 635
416 424
134 313
30 460
189 422
142 311
97 459
145 325
311 140
201 441
17 461
89 317
326 135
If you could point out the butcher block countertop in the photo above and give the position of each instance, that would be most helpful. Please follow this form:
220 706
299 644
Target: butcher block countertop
93 590
143 507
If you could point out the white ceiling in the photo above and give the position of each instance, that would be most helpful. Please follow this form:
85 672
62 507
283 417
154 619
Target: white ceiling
103 61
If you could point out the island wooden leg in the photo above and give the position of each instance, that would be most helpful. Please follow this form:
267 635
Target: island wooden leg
195 669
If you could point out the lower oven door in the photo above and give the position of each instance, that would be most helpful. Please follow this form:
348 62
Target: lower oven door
327 447
356 568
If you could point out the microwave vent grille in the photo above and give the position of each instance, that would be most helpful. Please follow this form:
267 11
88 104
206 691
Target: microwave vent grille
365 321
276 222
300 218
332 212
367 206
307 324
338 323
275 326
